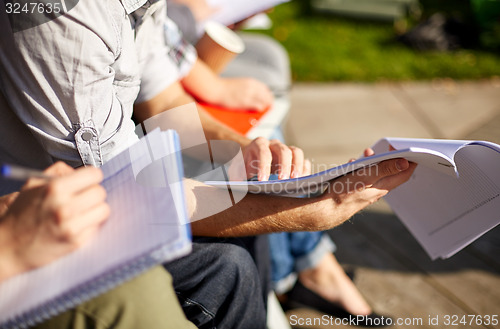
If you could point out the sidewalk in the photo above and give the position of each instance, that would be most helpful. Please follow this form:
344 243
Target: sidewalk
335 122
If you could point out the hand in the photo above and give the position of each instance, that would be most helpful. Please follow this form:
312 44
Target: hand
368 152
355 191
49 219
244 94
263 157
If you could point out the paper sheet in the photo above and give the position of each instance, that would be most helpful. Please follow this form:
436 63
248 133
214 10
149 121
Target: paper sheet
233 11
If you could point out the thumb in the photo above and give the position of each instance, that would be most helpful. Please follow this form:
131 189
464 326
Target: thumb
391 167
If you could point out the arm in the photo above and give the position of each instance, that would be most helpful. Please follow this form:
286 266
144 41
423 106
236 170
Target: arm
174 96
233 93
258 214
49 219
261 155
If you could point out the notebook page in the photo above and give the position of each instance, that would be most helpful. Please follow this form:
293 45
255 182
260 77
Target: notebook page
143 220
444 146
445 213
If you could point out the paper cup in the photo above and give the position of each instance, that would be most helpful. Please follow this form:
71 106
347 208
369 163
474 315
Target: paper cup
218 46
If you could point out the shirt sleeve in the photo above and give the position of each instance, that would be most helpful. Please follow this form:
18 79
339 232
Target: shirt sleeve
181 52
158 70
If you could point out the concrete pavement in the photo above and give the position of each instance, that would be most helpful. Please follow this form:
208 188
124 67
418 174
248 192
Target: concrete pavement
335 122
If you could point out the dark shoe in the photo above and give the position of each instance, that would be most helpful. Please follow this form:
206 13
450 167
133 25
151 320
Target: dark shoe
301 297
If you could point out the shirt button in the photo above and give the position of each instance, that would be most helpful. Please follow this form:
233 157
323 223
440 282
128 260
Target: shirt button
87 136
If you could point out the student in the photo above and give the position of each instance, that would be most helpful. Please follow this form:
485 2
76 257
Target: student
71 84
48 219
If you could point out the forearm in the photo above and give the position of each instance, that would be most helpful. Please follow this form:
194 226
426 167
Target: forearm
203 83
175 96
259 214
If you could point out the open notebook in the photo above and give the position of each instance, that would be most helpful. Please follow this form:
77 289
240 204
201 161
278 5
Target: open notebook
147 226
452 198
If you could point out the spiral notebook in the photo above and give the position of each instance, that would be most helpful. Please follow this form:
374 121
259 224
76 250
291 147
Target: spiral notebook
148 226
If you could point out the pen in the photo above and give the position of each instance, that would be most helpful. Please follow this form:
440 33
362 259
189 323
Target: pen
21 173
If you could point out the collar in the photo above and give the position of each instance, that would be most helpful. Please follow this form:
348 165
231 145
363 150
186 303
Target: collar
132 5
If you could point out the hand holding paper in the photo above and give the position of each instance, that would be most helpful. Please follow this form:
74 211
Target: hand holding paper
49 219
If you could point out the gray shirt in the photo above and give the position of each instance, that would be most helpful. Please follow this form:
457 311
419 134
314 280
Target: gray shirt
69 84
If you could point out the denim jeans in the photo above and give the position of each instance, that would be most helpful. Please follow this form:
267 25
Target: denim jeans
224 283
294 252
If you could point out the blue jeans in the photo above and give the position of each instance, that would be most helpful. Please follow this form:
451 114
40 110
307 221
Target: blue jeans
294 252
223 283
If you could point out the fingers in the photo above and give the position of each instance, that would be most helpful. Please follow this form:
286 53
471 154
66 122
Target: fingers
368 152
59 169
84 226
282 156
307 168
265 98
387 168
247 94
258 159
75 201
378 175
263 157
298 162
78 214
76 181
392 181
84 201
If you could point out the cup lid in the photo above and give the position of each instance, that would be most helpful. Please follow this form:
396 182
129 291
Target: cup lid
225 37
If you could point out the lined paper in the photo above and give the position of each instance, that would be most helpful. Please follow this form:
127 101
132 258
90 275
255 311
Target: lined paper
145 227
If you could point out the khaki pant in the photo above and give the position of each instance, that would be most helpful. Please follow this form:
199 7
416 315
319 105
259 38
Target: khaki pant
148 301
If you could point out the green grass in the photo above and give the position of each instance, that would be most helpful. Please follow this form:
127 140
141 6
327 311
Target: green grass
329 48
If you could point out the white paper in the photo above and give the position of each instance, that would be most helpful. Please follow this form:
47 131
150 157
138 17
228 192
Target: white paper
143 219
233 11
446 213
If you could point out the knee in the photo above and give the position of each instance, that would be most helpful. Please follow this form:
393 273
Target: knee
237 267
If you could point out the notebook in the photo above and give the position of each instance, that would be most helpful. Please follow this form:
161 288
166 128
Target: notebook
148 226
240 121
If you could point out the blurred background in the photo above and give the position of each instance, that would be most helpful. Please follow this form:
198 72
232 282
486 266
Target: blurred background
371 40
